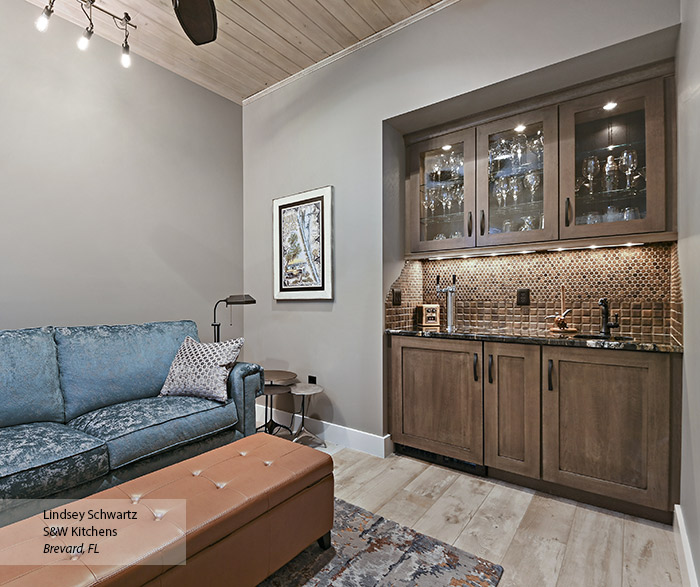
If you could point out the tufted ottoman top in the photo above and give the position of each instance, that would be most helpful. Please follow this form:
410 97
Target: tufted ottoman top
224 489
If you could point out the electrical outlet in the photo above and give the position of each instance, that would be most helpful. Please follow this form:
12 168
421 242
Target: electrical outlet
396 296
523 297
312 378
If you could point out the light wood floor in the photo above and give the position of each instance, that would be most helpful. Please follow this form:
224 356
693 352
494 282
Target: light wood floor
539 540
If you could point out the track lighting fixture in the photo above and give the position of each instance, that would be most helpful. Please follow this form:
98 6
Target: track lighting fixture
126 55
84 40
42 23
122 23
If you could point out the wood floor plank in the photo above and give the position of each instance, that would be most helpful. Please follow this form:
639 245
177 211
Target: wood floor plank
539 540
493 527
536 553
649 555
594 551
409 504
382 488
358 475
454 509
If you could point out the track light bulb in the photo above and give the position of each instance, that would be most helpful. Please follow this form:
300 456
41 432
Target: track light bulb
84 41
126 57
42 23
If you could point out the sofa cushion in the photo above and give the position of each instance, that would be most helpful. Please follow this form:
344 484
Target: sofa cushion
29 390
104 365
41 459
202 369
141 428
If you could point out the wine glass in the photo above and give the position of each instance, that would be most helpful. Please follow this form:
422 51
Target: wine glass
445 198
514 188
536 145
501 190
591 168
518 147
628 164
532 182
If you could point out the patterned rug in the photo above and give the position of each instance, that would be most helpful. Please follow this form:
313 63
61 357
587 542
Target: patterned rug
368 550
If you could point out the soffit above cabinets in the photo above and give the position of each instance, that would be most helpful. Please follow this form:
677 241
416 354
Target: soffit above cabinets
259 42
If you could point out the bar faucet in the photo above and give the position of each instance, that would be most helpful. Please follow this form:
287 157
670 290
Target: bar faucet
605 324
450 292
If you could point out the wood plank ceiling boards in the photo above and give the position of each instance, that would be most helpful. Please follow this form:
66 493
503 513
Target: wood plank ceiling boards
259 42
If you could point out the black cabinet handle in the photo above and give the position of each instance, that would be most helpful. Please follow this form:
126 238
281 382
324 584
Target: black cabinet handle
476 364
483 222
550 368
490 368
567 209
469 224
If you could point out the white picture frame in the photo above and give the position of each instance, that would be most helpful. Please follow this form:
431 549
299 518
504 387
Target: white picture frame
302 238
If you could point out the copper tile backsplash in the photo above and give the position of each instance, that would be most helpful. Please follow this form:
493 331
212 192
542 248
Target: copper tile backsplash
642 284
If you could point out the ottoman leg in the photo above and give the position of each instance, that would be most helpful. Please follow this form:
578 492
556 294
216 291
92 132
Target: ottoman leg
325 541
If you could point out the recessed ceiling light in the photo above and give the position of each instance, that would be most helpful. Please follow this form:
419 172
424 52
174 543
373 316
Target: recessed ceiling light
520 128
446 147
610 106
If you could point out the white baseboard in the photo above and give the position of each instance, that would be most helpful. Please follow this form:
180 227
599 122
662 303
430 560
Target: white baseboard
379 446
685 555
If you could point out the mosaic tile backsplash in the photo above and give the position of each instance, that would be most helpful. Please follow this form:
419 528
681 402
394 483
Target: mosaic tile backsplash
641 283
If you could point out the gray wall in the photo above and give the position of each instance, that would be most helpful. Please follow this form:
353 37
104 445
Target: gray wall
688 65
120 190
326 128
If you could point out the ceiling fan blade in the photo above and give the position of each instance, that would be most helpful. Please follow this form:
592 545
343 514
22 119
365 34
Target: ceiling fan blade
198 19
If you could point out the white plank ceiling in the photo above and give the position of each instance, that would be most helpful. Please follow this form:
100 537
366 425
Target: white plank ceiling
259 42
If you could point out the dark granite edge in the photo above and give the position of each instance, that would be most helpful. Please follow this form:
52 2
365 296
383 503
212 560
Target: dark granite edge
546 341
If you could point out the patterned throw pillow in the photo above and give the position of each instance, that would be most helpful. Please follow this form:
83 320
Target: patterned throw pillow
202 369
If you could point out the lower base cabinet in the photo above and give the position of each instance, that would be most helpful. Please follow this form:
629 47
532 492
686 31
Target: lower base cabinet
512 408
582 422
436 397
606 423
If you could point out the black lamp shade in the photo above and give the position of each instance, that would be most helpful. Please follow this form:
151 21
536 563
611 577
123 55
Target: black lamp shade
198 19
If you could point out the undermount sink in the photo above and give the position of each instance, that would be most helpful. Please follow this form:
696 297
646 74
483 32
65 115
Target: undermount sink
602 337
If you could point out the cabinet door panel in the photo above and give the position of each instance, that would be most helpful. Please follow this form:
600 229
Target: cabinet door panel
605 423
512 408
612 162
516 179
440 196
437 404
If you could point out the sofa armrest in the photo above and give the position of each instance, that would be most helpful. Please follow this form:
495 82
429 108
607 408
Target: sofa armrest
246 382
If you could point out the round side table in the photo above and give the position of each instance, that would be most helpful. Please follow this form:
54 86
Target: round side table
305 390
276 383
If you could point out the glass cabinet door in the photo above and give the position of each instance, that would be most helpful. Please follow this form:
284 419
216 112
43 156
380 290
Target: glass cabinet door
612 162
440 199
517 179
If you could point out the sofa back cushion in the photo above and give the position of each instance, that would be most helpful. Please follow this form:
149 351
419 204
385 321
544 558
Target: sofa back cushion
104 365
29 389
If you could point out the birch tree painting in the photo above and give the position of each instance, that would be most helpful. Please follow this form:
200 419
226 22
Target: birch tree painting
301 246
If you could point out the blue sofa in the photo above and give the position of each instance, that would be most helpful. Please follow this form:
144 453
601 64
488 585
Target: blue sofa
80 412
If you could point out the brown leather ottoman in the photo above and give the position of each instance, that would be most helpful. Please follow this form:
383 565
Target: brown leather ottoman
252 506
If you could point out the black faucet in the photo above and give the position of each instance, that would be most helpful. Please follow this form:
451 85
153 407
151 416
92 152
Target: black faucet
605 324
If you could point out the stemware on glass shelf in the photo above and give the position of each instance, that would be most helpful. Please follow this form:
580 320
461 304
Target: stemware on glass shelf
628 164
515 188
591 168
532 182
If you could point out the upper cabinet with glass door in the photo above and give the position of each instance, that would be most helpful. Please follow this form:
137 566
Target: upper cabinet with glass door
440 197
516 179
612 162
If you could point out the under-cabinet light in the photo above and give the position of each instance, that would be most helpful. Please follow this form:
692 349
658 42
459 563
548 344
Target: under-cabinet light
610 106
520 128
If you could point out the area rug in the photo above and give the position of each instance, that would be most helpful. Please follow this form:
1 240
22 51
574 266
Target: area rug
369 550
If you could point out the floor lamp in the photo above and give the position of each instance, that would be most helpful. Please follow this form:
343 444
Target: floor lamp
234 300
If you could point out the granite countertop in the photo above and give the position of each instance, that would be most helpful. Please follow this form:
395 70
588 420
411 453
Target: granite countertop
545 339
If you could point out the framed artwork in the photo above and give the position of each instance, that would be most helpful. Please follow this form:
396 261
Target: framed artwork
303 245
